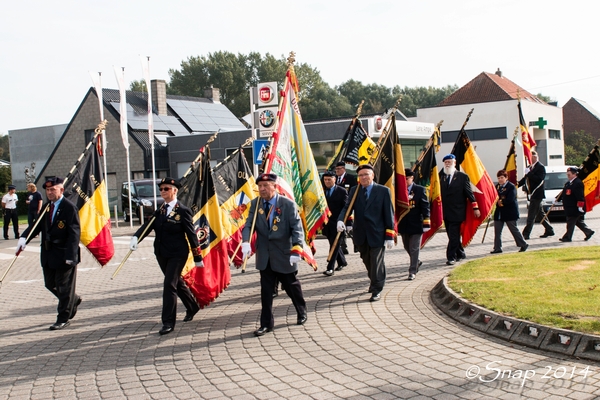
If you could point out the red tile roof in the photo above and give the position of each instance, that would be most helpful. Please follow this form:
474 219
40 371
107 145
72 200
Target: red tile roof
487 87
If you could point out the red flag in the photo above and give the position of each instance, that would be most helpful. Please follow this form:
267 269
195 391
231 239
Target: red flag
526 138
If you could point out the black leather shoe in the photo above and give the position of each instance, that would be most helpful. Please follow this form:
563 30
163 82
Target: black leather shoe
450 262
59 325
564 240
340 267
328 272
524 248
301 319
262 331
275 294
588 237
547 234
495 251
419 265
74 310
166 329
189 315
525 237
375 297
411 277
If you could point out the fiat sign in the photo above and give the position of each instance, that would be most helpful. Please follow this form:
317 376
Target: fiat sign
267 94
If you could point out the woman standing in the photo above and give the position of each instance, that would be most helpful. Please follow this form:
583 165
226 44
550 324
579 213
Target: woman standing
507 212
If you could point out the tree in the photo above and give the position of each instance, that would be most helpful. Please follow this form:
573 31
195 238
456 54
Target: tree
578 145
4 148
421 97
138 86
547 99
5 178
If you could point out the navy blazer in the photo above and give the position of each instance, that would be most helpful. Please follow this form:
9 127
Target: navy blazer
534 182
455 195
507 208
373 218
573 197
274 244
349 180
412 223
60 239
335 203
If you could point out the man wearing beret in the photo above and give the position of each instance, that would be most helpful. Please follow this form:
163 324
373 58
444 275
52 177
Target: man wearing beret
412 226
9 205
173 229
59 254
336 197
373 226
456 190
279 242
573 199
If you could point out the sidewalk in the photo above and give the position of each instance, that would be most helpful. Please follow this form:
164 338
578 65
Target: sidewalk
400 347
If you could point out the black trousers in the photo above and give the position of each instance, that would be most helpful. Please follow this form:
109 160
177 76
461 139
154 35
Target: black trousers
534 209
454 251
290 284
61 283
576 221
373 258
338 254
174 286
11 216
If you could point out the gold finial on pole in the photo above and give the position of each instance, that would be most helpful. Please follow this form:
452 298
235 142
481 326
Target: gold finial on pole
291 59
516 133
248 142
212 138
398 102
359 109
101 126
439 124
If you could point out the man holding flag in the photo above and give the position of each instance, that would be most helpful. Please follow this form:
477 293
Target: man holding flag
59 254
533 184
456 190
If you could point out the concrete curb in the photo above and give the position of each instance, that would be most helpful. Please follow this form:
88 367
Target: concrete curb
526 333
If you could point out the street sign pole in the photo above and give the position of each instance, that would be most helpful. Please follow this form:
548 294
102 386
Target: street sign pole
253 103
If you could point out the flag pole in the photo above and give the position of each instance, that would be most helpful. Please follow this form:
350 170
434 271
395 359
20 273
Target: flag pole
146 70
98 131
142 236
251 233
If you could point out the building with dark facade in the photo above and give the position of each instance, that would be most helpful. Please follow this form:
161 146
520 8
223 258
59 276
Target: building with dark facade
580 116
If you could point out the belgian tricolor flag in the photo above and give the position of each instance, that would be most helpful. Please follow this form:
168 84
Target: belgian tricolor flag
510 166
86 187
589 173
198 193
526 138
236 187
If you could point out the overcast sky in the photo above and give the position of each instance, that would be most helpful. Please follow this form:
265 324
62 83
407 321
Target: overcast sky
48 47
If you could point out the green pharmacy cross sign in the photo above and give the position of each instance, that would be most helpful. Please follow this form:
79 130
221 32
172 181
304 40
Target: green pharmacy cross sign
540 123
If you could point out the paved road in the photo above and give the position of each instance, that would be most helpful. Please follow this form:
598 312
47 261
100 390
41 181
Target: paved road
350 348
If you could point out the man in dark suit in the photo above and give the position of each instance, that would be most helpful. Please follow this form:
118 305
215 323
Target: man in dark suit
173 229
507 212
279 241
59 252
373 226
346 181
413 224
336 200
573 199
456 190
533 184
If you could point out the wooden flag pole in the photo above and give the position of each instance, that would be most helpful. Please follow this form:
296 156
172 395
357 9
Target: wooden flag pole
251 233
131 251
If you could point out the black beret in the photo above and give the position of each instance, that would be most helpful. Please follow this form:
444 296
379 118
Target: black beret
573 170
329 173
170 181
340 164
408 172
55 180
267 178
364 166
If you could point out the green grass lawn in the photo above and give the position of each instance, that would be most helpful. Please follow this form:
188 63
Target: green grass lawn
559 287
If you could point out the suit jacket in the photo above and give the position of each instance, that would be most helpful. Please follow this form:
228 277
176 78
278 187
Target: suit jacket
455 195
336 203
507 208
274 244
349 180
412 223
60 238
573 197
373 218
173 232
534 179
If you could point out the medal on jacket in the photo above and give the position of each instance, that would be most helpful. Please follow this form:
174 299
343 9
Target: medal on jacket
61 224
261 211
275 228
568 192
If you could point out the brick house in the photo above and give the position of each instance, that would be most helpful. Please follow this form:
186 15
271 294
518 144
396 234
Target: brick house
580 116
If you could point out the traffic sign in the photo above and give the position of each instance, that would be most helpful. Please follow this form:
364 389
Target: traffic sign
259 150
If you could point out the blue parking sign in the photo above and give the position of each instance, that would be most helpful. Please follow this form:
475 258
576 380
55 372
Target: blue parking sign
259 150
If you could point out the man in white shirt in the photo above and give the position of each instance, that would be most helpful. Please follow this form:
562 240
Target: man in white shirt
9 205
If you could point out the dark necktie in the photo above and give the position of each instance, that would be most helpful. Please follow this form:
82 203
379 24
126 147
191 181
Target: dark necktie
366 195
266 207
449 179
51 212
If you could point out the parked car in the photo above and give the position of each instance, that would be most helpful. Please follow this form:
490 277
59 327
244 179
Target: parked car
142 194
556 177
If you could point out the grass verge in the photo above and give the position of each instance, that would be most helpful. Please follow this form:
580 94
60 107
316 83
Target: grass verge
559 287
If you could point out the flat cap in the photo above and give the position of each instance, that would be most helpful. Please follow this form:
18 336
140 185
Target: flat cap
11 187
170 181
55 180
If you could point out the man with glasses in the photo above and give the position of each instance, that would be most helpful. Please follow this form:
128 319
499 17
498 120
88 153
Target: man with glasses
373 225
173 229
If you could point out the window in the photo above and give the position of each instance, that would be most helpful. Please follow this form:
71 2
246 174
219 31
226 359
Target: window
476 134
89 134
555 156
554 134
